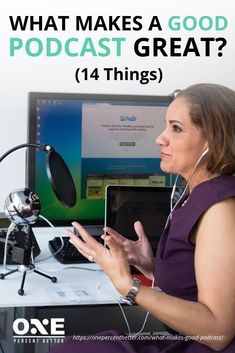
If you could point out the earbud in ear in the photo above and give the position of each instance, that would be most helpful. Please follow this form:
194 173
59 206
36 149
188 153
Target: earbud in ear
205 152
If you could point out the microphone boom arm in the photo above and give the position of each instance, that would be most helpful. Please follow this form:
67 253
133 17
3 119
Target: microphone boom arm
41 147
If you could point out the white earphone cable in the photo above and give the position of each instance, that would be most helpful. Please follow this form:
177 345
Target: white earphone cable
185 189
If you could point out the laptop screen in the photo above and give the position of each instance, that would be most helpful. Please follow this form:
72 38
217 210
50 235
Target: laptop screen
127 204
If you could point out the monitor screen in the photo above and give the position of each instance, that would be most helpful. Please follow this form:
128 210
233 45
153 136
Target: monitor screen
104 139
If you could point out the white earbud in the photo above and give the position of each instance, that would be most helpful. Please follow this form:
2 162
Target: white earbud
204 153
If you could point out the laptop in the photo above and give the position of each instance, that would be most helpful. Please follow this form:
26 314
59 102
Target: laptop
125 204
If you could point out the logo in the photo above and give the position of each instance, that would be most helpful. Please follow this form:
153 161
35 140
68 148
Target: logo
127 118
35 330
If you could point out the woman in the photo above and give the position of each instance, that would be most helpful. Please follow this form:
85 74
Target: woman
195 259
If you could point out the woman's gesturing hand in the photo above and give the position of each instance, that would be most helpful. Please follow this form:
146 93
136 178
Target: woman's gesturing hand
112 259
138 253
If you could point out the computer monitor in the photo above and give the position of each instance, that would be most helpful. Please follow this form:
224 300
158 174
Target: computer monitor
104 139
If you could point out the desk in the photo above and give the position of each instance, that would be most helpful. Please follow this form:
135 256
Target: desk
93 309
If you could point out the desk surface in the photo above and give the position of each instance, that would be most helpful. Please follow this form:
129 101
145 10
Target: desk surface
76 284
77 297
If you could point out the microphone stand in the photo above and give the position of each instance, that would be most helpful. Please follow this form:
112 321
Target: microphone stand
23 257
55 166
41 147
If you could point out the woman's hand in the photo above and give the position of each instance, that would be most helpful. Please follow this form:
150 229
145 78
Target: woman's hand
112 259
138 253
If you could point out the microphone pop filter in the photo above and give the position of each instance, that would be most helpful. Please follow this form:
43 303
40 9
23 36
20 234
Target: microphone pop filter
61 179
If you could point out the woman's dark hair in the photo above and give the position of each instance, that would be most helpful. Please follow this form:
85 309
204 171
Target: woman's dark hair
212 109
